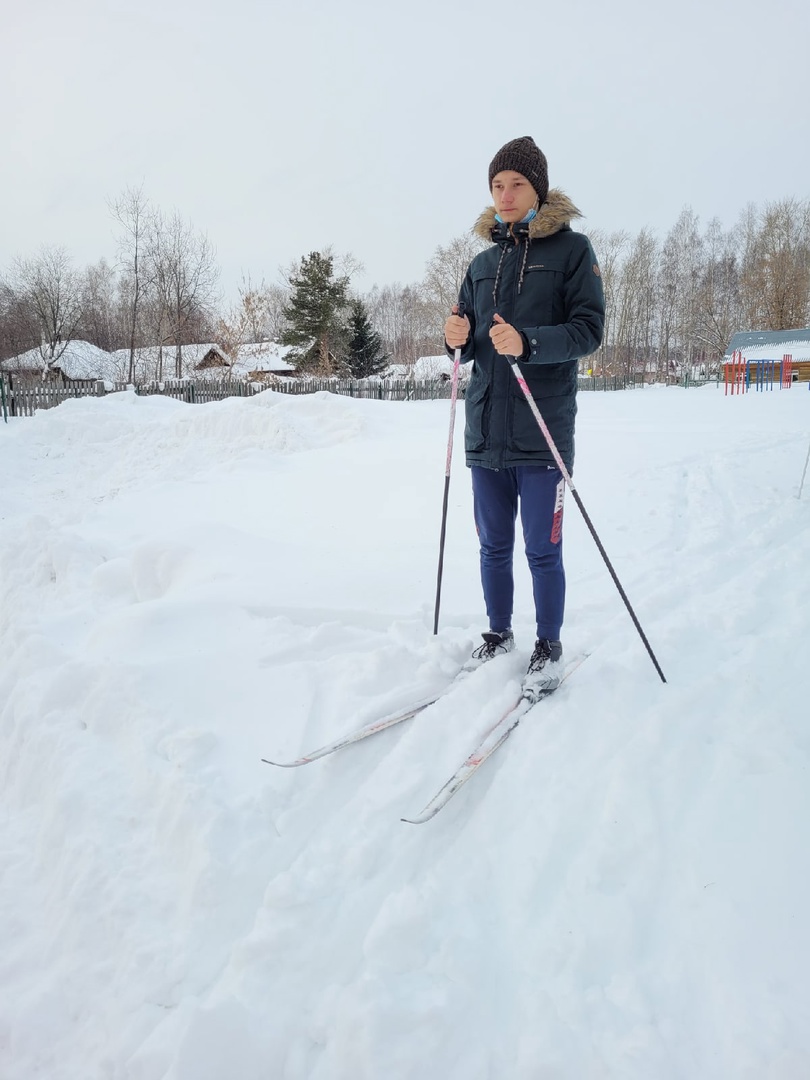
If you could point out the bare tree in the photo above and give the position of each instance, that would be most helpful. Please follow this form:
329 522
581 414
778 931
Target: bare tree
52 288
100 307
678 287
18 326
405 320
609 248
635 305
719 310
776 271
261 310
184 275
133 213
346 264
445 273
275 299
257 316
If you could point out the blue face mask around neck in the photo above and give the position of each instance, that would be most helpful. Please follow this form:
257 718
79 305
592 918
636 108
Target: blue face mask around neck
531 214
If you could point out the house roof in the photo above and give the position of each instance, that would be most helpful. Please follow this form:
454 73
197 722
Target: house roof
432 367
771 344
262 356
80 360
146 358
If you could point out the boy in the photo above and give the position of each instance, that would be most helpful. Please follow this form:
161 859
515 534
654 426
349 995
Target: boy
536 295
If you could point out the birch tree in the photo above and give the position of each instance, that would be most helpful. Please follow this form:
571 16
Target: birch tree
406 321
445 273
184 275
609 249
52 289
776 273
635 304
679 282
718 311
100 322
136 218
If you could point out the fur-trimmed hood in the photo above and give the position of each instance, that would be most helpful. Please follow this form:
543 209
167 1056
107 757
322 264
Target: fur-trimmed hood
555 213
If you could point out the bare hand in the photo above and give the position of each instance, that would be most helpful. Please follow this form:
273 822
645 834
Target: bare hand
506 340
456 330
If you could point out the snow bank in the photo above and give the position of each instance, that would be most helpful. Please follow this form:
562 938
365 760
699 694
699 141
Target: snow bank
621 891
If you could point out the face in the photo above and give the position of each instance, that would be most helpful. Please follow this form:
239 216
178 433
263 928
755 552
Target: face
513 194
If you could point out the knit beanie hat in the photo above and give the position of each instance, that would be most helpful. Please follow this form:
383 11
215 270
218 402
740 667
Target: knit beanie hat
524 156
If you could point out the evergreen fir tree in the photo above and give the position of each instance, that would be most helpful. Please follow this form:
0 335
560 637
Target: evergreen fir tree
316 316
366 355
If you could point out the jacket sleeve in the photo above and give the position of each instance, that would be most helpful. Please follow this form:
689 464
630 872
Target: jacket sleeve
584 305
465 297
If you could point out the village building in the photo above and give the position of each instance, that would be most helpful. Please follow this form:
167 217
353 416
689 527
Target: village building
772 347
82 362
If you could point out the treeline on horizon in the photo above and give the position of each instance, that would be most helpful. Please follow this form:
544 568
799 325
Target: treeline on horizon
672 303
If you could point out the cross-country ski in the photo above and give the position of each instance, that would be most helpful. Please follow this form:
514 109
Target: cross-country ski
494 738
489 743
363 732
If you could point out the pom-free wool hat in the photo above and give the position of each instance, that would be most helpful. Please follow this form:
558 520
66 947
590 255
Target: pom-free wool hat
524 156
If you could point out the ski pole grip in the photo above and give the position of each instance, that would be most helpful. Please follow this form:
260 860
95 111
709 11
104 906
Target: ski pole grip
461 309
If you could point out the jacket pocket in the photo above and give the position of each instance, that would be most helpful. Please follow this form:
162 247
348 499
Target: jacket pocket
477 407
541 301
526 435
557 407
483 285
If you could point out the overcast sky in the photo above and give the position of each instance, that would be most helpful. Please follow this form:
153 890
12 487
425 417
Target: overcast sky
280 128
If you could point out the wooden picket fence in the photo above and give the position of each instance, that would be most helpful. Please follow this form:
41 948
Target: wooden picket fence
23 396
377 389
195 393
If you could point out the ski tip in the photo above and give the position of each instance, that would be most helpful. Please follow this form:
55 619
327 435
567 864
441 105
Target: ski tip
285 764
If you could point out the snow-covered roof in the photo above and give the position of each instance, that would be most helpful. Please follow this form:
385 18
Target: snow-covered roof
262 356
770 344
432 367
259 356
80 360
146 359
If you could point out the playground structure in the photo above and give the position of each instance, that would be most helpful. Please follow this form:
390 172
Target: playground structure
739 374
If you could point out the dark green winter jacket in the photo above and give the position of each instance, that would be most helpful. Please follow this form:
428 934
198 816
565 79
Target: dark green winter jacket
545 281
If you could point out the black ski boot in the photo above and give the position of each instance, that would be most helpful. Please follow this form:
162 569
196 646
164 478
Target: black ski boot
494 645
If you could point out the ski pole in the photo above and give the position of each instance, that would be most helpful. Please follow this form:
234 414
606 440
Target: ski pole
804 472
449 459
567 477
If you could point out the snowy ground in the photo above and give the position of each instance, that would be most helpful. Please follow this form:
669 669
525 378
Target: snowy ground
622 892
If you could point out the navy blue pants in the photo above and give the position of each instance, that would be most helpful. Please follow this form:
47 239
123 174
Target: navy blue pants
539 491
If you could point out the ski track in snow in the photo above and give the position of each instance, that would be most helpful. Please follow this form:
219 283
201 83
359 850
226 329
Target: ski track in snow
620 893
